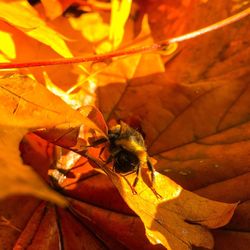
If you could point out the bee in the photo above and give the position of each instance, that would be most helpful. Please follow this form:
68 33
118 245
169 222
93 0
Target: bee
127 151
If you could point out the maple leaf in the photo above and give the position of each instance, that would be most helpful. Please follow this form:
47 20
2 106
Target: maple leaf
28 106
224 50
97 213
172 240
184 126
23 17
198 133
22 28
175 220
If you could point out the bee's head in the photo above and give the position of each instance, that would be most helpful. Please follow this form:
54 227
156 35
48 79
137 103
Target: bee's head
114 132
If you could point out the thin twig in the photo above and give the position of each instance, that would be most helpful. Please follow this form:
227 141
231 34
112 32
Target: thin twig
149 48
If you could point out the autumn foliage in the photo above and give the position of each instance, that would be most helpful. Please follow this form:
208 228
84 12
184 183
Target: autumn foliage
176 71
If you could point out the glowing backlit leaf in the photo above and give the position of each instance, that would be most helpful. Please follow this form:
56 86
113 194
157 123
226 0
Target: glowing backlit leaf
22 16
94 27
53 8
119 15
29 105
195 117
7 45
179 219
117 76
17 178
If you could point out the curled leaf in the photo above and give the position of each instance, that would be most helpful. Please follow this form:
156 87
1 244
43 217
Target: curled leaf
28 106
180 218
24 17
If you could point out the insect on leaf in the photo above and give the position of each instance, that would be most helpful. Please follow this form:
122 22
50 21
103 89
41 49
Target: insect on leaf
177 220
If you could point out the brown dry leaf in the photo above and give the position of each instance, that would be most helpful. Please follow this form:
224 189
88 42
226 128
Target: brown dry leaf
29 105
20 91
119 75
17 178
11 222
212 55
198 133
98 218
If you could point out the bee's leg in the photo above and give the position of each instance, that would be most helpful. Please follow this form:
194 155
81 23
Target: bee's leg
94 144
137 170
152 170
138 173
110 159
112 156
98 142
100 154
129 184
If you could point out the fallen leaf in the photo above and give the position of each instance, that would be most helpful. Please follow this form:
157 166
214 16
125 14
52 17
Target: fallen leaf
177 220
120 11
29 106
95 203
122 228
11 223
198 133
215 54
21 93
203 143
52 8
24 17
7 47
17 178
231 240
119 76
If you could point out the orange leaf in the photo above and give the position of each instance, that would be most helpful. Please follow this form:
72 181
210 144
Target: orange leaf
29 106
211 55
119 15
196 115
195 118
23 17
11 223
177 220
53 8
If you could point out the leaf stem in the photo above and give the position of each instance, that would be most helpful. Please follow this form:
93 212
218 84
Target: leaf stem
149 48
215 26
